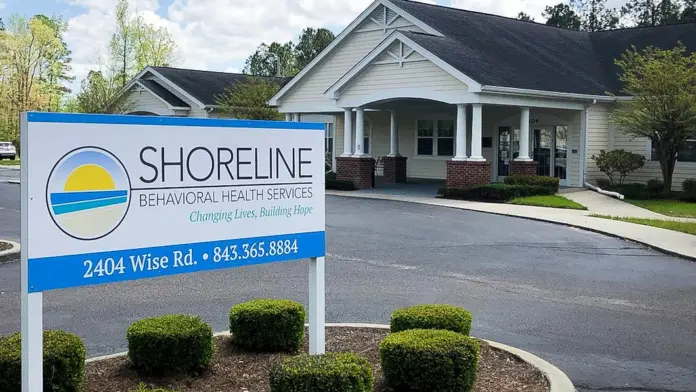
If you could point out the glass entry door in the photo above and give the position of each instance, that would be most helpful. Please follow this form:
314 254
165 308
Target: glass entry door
551 151
508 149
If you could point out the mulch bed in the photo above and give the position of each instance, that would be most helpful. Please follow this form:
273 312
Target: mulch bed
235 370
5 245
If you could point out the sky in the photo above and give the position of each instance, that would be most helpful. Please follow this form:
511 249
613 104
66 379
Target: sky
219 35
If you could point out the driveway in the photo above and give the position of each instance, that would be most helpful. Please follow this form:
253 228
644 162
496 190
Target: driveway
613 315
9 211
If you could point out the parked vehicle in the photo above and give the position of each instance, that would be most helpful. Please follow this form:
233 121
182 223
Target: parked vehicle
7 150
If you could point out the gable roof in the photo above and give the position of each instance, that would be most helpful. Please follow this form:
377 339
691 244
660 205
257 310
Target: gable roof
163 93
504 52
204 86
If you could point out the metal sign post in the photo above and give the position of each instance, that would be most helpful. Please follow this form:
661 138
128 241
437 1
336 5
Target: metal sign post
209 194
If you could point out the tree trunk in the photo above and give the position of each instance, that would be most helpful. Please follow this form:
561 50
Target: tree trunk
667 164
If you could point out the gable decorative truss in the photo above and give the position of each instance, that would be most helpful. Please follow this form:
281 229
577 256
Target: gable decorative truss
407 51
399 54
385 20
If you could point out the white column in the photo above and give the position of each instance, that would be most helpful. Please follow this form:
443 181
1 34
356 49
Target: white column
476 132
296 117
288 116
359 132
460 153
347 132
394 137
524 135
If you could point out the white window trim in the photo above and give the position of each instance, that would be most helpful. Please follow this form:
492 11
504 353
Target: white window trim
434 119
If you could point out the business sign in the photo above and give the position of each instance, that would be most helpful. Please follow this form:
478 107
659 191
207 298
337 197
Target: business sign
117 198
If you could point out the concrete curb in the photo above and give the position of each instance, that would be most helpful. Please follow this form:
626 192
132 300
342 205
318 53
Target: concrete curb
9 254
650 244
557 379
10 167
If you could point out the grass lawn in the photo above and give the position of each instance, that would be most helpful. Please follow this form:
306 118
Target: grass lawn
684 227
668 207
554 201
7 162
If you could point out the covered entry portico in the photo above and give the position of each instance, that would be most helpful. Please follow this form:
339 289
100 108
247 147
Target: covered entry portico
464 143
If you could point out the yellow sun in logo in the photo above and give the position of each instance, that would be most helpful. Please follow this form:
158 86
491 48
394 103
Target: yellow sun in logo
89 177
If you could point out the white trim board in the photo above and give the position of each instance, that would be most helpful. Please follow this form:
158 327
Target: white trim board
397 37
343 35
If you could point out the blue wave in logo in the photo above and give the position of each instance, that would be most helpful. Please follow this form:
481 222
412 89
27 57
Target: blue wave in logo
67 202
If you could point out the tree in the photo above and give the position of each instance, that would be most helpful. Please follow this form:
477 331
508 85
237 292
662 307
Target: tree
99 95
652 12
58 67
136 44
663 109
524 16
265 61
27 50
248 99
689 12
561 15
594 15
312 42
2 25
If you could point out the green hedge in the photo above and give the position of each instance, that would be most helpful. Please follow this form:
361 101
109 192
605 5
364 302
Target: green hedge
634 191
449 317
532 180
268 325
170 343
689 188
340 185
495 192
429 360
332 372
63 362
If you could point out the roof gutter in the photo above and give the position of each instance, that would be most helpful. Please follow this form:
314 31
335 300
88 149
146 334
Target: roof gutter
547 94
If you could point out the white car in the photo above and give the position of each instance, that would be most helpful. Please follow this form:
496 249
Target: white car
7 150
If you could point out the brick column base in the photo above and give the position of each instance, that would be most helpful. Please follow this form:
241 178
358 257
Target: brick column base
462 174
394 170
523 167
358 170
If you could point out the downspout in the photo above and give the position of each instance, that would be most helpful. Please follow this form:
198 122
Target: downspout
583 137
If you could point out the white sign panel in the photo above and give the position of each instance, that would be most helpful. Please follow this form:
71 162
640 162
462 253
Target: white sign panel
116 198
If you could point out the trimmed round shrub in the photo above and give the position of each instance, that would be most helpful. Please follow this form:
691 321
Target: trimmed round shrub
689 188
63 362
655 187
552 183
429 360
268 325
169 344
449 317
332 372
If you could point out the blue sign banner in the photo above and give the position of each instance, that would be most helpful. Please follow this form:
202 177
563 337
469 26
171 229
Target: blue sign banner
49 273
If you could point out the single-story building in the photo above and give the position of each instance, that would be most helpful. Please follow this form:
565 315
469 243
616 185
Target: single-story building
434 92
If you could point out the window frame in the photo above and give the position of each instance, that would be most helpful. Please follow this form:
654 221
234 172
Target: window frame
435 119
652 158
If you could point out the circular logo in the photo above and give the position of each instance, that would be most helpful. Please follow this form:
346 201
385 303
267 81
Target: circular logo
88 193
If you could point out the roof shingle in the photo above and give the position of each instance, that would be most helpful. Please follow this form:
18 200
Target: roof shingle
205 86
499 51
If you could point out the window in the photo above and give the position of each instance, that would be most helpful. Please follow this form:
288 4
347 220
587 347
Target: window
435 138
426 135
328 143
687 154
